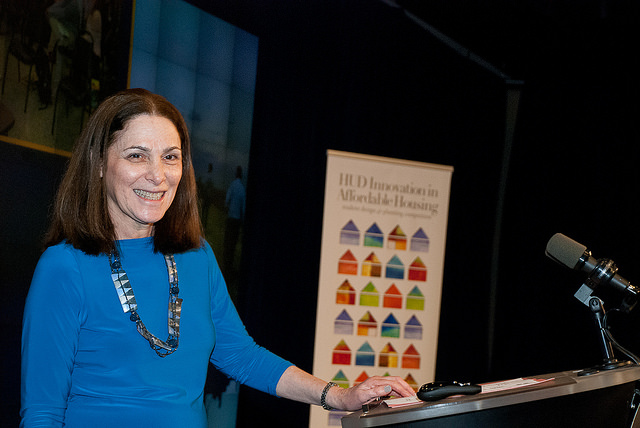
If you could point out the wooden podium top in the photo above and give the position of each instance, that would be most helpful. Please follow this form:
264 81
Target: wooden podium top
558 385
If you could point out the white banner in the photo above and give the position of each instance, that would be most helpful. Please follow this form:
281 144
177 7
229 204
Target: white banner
382 258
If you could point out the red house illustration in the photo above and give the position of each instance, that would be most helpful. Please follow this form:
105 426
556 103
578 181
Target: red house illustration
341 354
348 265
346 294
411 358
392 298
417 270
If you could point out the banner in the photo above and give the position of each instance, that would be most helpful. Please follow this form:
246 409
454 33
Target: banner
380 284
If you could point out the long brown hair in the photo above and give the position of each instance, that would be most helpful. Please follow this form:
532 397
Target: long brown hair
80 214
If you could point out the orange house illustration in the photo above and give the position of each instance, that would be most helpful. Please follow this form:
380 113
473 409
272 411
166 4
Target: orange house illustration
417 270
411 358
392 298
341 354
397 240
348 265
371 266
363 376
388 356
346 294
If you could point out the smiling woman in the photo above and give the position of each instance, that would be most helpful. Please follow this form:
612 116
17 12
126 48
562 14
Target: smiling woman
125 231
141 174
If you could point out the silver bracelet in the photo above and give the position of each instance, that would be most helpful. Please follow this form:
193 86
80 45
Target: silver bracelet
323 397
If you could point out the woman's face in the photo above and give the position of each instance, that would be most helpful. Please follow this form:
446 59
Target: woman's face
143 170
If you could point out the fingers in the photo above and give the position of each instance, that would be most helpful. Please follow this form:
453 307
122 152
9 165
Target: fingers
388 384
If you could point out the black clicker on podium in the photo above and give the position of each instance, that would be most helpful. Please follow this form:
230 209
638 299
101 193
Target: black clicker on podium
606 399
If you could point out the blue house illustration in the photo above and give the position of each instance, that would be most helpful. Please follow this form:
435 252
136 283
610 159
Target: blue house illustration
390 327
395 268
365 356
373 237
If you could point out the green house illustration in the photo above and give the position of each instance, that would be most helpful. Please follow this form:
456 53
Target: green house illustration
369 296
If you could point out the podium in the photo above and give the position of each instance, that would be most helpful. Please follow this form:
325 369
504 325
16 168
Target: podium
602 399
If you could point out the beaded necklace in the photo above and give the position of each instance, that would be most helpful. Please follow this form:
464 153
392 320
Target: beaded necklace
128 302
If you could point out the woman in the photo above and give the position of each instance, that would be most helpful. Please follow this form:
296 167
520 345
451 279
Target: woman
125 239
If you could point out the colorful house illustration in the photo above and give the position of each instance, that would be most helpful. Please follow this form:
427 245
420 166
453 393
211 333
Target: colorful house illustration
420 241
343 324
365 356
346 294
413 329
341 379
373 237
390 327
371 266
367 325
417 270
363 376
412 382
411 358
369 296
341 354
397 240
415 299
395 268
348 265
388 356
350 235
392 298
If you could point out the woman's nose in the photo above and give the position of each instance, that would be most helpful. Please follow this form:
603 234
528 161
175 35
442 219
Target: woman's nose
156 172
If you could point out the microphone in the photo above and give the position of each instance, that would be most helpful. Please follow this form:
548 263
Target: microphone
574 255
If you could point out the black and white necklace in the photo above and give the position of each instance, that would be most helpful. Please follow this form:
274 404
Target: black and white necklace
128 302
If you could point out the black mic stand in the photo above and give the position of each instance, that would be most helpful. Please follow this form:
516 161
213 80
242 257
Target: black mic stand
609 362
584 294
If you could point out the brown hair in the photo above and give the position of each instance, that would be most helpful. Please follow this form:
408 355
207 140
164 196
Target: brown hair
80 213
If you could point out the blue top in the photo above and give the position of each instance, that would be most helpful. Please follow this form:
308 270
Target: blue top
84 364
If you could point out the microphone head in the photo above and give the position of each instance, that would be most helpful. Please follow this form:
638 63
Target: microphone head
565 250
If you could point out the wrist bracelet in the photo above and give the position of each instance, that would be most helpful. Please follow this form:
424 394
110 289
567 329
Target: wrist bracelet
323 397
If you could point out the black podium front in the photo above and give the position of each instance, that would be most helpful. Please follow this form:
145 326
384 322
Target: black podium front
602 399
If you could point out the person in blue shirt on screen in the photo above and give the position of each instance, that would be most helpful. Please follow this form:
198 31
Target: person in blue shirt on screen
126 261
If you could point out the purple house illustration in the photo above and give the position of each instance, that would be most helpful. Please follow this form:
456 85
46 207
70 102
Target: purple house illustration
350 234
413 329
343 324
420 241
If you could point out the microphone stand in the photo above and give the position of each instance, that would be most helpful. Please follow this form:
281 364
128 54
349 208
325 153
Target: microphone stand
609 362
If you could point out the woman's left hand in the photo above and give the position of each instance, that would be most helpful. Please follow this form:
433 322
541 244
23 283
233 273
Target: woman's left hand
374 387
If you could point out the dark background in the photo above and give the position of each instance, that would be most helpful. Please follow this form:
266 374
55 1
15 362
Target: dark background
362 76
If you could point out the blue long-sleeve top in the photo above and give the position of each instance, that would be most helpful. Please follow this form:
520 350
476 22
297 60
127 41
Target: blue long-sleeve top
84 364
